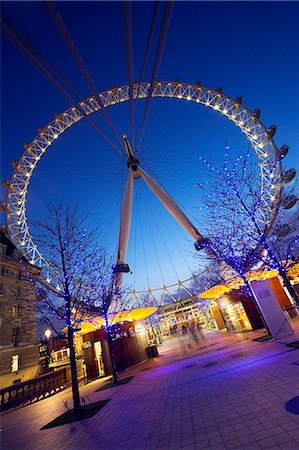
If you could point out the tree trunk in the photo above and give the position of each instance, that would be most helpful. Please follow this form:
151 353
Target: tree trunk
289 287
111 352
75 386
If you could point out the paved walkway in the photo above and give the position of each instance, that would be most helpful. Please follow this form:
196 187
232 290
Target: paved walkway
230 395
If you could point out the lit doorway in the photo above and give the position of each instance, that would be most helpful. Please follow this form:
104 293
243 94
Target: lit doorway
99 357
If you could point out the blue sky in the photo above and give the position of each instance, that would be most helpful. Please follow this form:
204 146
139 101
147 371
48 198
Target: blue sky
251 49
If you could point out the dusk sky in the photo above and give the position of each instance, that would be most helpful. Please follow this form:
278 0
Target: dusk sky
250 49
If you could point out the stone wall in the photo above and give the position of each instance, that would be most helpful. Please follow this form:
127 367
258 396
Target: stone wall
18 317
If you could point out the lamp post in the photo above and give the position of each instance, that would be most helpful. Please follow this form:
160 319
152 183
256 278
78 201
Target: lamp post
108 327
45 356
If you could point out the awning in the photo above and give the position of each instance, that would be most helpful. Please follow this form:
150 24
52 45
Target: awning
94 323
122 316
235 283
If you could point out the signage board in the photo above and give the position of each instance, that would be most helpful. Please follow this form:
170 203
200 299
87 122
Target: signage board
277 321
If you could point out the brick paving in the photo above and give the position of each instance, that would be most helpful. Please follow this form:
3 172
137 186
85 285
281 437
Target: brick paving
229 395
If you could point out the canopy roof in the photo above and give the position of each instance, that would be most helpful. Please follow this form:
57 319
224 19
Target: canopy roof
237 282
94 323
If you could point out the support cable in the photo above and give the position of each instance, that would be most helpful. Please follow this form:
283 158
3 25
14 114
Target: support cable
44 60
135 246
127 13
154 215
171 206
15 37
148 45
154 245
143 248
66 37
160 48
175 242
180 229
182 207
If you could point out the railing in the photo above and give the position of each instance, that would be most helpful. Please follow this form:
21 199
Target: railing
293 311
33 390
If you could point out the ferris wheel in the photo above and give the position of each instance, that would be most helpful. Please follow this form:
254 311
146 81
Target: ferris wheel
268 159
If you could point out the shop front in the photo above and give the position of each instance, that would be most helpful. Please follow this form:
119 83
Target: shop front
285 301
235 310
234 315
130 347
192 309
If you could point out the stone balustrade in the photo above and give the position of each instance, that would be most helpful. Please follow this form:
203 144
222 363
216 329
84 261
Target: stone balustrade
33 390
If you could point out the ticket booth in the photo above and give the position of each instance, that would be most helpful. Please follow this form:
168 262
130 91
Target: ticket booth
130 347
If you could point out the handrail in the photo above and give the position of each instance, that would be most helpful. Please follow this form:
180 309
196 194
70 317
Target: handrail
33 390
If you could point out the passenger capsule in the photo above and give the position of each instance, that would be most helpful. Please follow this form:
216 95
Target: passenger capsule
283 230
288 175
257 113
290 201
239 100
3 206
272 130
283 151
6 184
201 243
123 268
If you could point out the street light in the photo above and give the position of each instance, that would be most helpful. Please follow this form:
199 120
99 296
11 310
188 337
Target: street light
48 333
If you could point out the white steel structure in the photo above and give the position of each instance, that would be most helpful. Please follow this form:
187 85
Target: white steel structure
261 140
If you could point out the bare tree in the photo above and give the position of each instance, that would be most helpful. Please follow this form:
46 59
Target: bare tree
231 252
232 202
105 297
66 294
205 280
153 321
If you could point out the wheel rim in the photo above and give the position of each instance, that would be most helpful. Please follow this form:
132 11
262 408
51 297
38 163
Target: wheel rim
260 140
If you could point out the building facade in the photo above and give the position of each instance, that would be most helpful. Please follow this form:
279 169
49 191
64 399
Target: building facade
19 349
190 309
130 347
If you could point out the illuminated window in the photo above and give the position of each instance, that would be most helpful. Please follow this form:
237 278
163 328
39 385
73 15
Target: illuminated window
15 311
15 363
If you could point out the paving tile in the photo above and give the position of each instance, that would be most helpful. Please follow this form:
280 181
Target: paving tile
261 435
236 404
247 439
252 446
292 445
294 433
267 443
234 443
290 426
275 431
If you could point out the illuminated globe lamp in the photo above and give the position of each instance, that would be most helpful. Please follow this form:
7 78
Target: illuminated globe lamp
48 334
